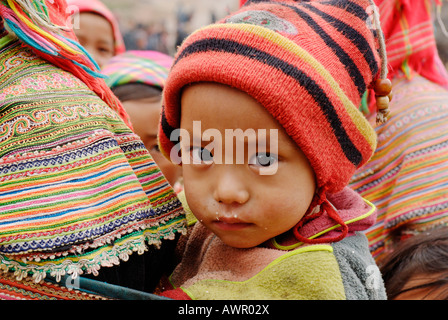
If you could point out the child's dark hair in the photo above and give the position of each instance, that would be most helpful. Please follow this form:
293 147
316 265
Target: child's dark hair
136 91
423 254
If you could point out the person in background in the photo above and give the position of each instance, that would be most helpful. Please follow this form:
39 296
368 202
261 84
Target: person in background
417 269
275 219
98 31
137 78
407 177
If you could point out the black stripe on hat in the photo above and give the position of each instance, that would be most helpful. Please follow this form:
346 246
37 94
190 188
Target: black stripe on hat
352 8
343 57
166 127
352 34
348 6
318 94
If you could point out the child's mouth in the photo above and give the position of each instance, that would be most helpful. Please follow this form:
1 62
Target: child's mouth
228 224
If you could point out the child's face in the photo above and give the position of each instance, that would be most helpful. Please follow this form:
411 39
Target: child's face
235 201
96 35
144 115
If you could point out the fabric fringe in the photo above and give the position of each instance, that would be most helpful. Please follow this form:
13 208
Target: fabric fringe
107 258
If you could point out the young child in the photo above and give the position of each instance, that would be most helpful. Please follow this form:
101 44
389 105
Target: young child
137 79
98 31
282 224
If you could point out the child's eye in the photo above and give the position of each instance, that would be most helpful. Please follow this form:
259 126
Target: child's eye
263 159
201 155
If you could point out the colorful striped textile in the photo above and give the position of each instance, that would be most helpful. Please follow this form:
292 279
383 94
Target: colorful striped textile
138 66
78 189
407 178
68 288
410 42
11 289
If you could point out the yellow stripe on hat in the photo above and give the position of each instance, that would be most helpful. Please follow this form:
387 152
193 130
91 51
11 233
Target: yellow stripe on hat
356 116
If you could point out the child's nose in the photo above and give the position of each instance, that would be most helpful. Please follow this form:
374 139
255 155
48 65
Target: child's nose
230 187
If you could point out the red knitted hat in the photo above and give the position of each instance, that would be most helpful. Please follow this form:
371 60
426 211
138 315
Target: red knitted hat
307 63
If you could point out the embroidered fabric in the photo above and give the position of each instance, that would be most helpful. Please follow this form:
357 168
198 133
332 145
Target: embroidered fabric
78 189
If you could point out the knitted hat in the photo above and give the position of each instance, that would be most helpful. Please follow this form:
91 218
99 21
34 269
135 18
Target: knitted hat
307 63
135 66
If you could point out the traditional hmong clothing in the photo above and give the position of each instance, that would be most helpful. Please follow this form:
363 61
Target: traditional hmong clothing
410 43
341 270
78 190
74 176
11 289
407 178
45 33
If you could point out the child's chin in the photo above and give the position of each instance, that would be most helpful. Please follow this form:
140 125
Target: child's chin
240 244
